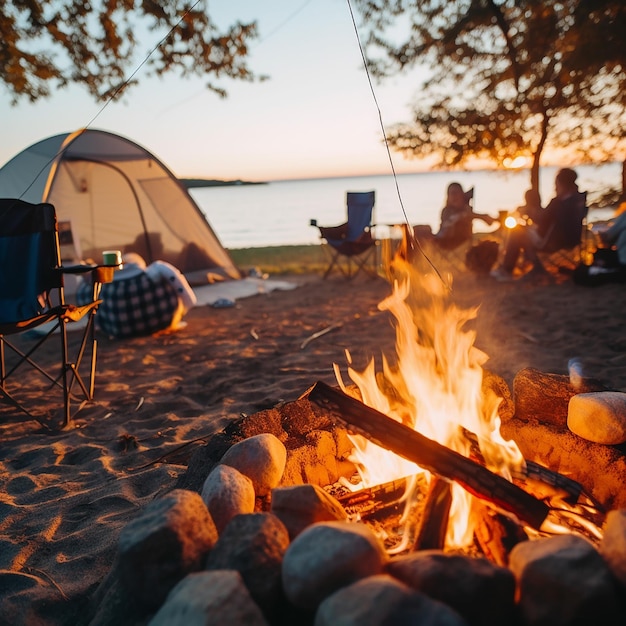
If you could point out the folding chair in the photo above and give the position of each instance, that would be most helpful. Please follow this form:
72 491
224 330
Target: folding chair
351 245
32 294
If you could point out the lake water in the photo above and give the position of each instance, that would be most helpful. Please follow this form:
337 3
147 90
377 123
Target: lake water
279 213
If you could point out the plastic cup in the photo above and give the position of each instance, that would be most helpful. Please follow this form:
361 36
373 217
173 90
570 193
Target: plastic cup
112 258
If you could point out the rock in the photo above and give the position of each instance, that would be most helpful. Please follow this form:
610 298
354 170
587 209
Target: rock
302 505
328 556
226 493
545 397
563 581
599 469
209 599
613 544
205 458
380 601
168 540
261 458
481 592
254 545
599 417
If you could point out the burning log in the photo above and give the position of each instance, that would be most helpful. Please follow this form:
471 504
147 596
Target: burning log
429 454
432 534
496 535
548 481
570 489
369 501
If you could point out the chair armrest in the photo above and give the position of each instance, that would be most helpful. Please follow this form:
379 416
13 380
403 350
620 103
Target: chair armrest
99 273
82 268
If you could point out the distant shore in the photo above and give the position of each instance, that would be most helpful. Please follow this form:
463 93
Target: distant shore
209 182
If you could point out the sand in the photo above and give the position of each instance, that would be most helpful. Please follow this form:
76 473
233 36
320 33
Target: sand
65 495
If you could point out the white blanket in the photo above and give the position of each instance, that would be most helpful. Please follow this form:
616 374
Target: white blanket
235 289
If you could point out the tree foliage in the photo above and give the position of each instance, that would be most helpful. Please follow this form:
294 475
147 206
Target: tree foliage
49 44
505 77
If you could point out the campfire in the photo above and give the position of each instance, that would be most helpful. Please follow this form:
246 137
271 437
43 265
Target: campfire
432 415
411 463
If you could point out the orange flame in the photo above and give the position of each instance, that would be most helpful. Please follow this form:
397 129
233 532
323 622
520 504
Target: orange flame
434 384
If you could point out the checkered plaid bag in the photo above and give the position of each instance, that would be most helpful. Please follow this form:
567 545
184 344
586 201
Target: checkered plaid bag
134 306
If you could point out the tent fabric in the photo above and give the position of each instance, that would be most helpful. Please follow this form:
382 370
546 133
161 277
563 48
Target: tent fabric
112 194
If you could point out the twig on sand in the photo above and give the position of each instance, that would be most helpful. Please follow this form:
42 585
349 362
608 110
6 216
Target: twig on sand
163 458
35 571
527 336
320 333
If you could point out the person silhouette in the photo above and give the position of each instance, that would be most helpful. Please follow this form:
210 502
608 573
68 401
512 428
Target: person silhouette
457 217
557 227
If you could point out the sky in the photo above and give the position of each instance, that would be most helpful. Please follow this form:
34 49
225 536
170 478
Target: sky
315 117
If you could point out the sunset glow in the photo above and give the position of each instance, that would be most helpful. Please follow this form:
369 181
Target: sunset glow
516 163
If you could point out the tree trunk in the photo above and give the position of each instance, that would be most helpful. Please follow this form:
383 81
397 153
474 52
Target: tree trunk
534 171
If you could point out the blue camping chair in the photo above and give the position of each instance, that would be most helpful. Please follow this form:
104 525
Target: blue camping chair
351 245
32 295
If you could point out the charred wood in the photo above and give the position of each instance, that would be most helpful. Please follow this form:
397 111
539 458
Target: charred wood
429 454
434 525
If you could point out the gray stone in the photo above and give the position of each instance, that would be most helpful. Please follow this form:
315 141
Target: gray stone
226 493
613 544
209 599
261 458
599 417
383 601
563 581
168 540
300 506
328 556
254 545
483 593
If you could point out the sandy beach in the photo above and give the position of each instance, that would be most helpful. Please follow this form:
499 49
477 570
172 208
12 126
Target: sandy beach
65 495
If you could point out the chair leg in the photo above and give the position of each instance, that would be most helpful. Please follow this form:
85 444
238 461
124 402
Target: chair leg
66 392
88 337
25 358
333 264
92 370
3 390
362 264
71 370
2 366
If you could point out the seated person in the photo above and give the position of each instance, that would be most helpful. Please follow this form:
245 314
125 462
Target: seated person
615 235
457 219
557 227
531 209
142 299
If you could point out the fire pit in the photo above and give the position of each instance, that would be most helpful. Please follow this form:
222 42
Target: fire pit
479 520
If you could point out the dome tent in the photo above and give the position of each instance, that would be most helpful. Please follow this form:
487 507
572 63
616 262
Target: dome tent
110 193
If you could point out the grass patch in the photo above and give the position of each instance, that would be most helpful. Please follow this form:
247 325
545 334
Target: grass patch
305 259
